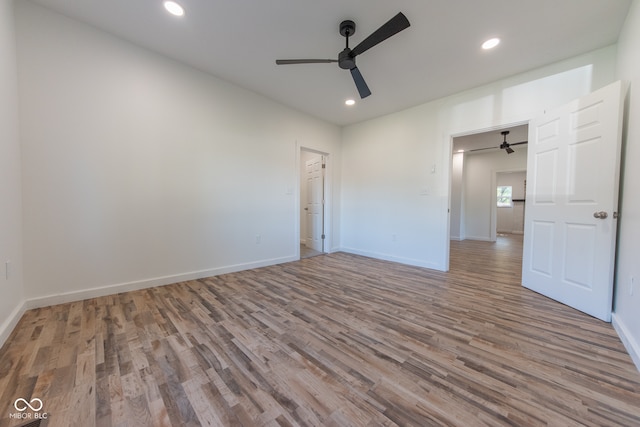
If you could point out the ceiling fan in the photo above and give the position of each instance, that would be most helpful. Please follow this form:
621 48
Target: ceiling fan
347 58
505 145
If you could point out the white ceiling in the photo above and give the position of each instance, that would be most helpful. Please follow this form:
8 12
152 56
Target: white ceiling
440 54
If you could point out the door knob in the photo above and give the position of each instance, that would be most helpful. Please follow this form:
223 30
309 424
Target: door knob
600 215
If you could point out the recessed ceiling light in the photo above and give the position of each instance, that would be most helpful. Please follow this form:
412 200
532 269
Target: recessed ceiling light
350 102
460 151
174 8
491 43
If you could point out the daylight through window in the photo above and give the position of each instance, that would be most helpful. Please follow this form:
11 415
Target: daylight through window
505 193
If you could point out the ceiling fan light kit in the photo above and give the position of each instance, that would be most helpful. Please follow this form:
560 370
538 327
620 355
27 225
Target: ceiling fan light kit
347 57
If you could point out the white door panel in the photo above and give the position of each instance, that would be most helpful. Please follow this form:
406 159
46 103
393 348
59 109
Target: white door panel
315 203
573 173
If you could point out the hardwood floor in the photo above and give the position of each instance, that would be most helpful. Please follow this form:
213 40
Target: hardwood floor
334 340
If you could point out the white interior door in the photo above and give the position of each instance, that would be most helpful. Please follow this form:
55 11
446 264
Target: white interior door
315 203
571 202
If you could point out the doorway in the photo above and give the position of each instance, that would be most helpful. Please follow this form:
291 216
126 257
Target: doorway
479 161
510 201
569 238
313 189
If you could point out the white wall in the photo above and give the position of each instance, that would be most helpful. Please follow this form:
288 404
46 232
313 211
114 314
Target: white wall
392 189
138 170
511 219
626 316
388 187
11 288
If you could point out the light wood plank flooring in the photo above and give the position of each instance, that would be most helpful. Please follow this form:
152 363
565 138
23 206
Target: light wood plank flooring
334 340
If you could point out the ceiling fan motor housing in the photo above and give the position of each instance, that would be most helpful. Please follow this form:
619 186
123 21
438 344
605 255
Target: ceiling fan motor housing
345 60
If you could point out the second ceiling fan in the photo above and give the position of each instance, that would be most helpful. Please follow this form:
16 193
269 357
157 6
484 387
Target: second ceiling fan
504 146
347 58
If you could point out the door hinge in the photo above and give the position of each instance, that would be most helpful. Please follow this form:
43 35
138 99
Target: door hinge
324 165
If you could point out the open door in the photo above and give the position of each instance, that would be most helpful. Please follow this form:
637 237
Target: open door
314 208
573 172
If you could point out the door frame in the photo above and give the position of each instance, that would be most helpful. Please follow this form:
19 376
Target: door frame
494 200
327 207
450 153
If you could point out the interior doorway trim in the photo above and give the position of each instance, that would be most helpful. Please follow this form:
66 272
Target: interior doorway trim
327 205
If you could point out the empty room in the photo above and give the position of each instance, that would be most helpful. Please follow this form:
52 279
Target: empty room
246 213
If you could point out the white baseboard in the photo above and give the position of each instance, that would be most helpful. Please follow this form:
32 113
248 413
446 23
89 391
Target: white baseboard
8 325
66 297
393 258
632 346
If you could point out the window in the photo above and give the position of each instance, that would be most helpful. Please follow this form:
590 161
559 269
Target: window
504 196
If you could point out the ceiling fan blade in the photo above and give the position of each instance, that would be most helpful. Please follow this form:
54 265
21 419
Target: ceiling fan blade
392 27
482 149
360 83
304 61
503 146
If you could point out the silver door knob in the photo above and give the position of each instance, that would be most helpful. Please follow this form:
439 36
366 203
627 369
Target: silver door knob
600 215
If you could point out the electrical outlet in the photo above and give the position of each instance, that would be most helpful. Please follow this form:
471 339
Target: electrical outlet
258 239
631 286
394 237
7 270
